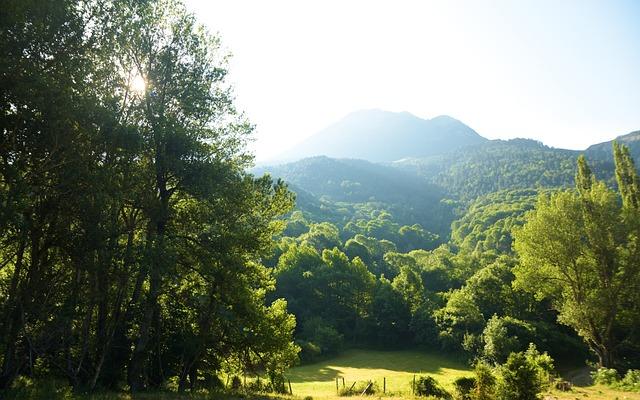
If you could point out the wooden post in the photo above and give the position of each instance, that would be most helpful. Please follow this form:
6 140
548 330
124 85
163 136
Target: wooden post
337 390
367 388
343 382
290 391
413 387
384 384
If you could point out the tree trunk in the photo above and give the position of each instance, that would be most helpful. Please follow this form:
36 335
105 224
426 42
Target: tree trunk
137 375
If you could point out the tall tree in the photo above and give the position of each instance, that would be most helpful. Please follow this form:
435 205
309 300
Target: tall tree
580 249
131 234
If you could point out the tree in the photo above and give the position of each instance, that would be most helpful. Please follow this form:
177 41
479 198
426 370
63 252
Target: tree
131 234
505 335
460 319
580 249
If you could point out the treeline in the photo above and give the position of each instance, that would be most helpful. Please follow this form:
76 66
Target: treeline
556 268
130 234
350 285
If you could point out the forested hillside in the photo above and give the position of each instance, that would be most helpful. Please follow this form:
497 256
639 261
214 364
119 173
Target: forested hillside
603 151
341 184
496 165
355 270
141 250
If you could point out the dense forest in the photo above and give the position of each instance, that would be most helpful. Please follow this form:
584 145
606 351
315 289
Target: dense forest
428 248
131 233
141 249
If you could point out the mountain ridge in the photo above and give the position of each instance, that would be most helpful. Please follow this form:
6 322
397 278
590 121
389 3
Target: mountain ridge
384 136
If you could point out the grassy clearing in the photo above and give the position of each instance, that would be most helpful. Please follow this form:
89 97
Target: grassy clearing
592 393
319 380
398 367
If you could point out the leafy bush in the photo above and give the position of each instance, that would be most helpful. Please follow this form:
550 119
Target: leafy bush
309 351
277 383
519 379
631 380
543 364
503 336
464 387
258 386
427 386
322 334
485 382
605 376
27 388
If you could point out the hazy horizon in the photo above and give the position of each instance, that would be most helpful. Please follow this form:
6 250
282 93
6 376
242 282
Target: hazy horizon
561 73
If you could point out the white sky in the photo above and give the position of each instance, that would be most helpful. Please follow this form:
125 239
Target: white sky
563 72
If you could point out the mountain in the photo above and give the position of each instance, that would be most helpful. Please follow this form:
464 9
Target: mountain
383 136
604 151
497 165
424 171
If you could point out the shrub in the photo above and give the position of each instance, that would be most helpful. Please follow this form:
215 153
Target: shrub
309 351
543 364
605 376
502 336
277 383
631 380
485 382
427 386
258 385
562 385
27 388
464 387
518 379
323 335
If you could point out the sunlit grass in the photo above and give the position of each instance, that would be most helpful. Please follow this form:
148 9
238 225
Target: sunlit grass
597 392
398 367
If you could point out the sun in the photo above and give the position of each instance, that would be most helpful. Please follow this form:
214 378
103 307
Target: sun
138 84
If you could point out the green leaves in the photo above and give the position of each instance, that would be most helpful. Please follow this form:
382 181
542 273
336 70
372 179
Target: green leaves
142 230
575 249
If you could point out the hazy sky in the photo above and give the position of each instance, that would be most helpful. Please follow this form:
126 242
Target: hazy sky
566 72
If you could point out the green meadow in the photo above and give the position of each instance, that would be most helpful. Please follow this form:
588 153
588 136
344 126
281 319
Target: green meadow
397 367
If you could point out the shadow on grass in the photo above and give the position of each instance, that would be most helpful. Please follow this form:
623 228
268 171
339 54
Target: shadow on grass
314 373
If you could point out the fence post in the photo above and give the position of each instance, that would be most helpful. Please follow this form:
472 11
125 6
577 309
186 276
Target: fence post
337 390
384 384
343 382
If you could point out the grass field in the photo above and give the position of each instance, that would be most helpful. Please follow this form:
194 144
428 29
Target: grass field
592 393
319 380
398 367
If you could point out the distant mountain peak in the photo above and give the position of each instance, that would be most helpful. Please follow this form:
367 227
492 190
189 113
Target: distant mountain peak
384 136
